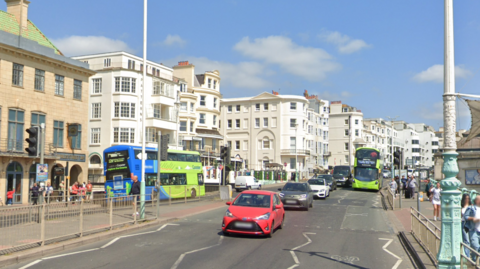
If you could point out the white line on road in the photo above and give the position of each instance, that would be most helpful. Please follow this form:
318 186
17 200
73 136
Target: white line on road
130 235
395 266
292 251
179 260
30 264
71 253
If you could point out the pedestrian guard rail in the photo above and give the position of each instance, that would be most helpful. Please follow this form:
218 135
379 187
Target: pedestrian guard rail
426 233
466 261
24 227
391 199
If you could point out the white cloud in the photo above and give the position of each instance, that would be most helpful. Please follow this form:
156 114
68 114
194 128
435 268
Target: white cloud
84 45
435 74
307 62
246 75
171 40
344 43
334 96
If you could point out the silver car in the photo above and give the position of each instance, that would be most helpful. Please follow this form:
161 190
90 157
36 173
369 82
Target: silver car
297 195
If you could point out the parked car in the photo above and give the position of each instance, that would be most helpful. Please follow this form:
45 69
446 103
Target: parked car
320 187
254 213
247 183
297 195
329 179
387 174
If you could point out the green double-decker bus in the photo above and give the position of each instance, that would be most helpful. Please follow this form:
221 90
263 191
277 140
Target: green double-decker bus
367 168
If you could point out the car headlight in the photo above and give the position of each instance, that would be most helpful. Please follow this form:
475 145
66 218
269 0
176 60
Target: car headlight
228 214
323 190
281 194
303 196
263 217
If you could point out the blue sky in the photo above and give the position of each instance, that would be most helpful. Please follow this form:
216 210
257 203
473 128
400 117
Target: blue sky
383 57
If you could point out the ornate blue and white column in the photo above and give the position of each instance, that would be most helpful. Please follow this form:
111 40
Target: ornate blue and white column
449 253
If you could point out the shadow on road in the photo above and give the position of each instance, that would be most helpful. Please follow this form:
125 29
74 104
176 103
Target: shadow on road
339 259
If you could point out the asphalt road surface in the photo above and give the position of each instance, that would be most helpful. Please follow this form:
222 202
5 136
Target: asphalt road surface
349 229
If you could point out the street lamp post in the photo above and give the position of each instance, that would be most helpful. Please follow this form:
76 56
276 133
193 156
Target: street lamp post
449 252
296 153
144 76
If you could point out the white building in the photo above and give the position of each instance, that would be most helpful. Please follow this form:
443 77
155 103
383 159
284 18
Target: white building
275 129
115 102
378 133
420 142
346 127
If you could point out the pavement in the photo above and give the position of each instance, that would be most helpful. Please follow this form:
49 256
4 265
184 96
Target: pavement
349 229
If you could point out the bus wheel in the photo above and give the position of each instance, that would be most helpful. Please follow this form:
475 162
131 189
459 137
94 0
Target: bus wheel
194 193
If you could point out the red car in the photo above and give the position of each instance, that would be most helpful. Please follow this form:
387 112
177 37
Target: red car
254 212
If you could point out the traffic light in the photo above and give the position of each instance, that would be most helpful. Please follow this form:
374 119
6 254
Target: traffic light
396 158
164 147
223 153
33 141
228 159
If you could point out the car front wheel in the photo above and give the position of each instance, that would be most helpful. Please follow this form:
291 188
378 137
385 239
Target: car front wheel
272 229
282 224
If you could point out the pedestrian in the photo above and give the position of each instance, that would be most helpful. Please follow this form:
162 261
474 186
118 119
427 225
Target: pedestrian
465 205
10 193
428 187
48 192
62 191
412 183
81 192
404 182
89 190
393 186
74 191
135 191
397 180
35 189
472 218
292 178
436 201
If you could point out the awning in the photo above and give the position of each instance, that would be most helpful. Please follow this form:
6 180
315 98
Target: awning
475 111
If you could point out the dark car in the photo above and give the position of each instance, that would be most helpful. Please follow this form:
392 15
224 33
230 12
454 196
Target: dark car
329 179
297 195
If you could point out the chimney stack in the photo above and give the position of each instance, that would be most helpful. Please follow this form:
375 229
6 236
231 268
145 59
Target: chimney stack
19 8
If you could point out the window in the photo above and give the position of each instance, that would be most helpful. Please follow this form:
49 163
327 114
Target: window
37 119
17 77
257 107
265 122
77 89
123 135
265 106
202 118
237 124
266 144
325 135
183 106
237 145
95 136
346 132
346 146
95 159
157 111
245 144
125 85
415 149
125 110
293 105
346 158
237 109
157 87
415 142
274 122
58 134
434 143
96 85
202 100
107 62
131 64
59 85
15 129
191 126
257 123
183 126
39 80
356 122
293 123
245 123
229 109
346 122
292 163
191 107
357 132
77 140
209 83
373 128
150 136
229 124
293 143
214 120
215 84
214 102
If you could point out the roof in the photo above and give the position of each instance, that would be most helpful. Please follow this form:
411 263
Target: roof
200 79
9 24
207 131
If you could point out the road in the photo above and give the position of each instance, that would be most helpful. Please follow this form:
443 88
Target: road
347 230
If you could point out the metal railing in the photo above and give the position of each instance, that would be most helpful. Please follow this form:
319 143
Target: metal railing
298 151
37 225
426 233
469 261
391 198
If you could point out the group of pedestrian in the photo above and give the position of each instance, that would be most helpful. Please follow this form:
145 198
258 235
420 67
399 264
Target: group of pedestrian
81 191
471 224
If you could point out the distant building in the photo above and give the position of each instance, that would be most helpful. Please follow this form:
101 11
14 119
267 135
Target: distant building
420 142
39 86
378 133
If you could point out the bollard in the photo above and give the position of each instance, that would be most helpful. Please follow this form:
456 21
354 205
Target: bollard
158 205
400 200
135 209
42 224
111 212
81 217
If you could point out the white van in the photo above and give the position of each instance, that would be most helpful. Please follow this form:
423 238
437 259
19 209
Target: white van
246 183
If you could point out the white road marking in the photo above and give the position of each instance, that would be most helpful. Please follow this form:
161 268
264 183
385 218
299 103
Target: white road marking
361 214
395 266
342 197
179 260
292 251
348 259
88 250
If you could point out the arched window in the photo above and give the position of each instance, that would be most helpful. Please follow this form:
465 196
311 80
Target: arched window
95 159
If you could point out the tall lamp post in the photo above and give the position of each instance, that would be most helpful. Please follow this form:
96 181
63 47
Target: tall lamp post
296 153
449 253
142 183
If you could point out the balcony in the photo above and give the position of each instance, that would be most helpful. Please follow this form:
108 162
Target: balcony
327 154
292 152
16 148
